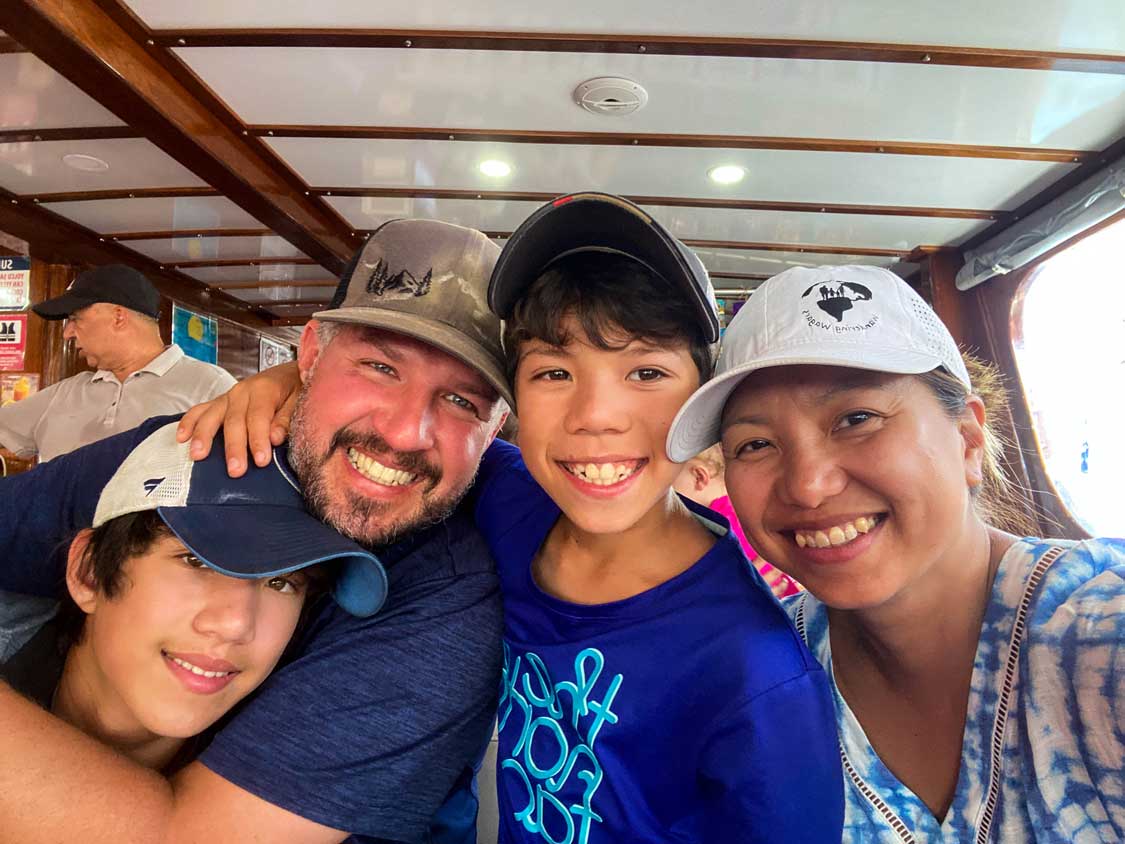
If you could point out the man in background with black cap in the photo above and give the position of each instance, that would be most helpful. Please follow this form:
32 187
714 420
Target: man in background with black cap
110 314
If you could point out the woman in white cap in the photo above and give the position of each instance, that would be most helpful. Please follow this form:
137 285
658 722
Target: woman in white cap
979 678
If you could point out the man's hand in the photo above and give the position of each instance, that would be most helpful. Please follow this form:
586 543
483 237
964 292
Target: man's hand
256 411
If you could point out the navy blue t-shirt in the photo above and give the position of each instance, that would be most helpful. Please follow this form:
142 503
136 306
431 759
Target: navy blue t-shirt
691 712
373 725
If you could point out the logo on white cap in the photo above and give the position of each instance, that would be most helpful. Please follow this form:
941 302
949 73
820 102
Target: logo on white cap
838 299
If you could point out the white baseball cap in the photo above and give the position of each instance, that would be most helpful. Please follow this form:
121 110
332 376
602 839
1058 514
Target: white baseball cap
858 317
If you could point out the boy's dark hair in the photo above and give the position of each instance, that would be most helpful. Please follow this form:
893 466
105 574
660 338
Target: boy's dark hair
607 294
119 540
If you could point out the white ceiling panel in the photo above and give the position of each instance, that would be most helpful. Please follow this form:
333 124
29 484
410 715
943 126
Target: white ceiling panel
35 97
859 230
174 249
266 295
1080 25
753 262
773 175
150 214
39 167
268 272
532 90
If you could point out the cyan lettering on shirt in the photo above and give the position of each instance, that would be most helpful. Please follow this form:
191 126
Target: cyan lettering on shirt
534 709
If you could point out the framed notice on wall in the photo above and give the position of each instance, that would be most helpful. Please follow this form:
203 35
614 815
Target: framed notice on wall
13 341
271 353
17 386
196 334
15 282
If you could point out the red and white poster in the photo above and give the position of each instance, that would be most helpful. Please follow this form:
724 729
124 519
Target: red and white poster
13 341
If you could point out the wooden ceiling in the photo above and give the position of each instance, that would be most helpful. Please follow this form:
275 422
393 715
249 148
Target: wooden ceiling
238 153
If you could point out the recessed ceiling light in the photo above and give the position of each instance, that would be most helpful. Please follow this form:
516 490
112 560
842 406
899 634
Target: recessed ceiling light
495 168
88 163
727 174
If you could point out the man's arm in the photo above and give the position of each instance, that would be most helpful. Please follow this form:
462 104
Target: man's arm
43 508
56 780
19 420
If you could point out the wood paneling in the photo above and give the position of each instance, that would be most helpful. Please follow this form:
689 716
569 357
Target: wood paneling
658 45
533 136
84 43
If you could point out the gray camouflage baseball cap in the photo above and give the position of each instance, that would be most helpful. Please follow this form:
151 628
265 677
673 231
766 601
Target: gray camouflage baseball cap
429 280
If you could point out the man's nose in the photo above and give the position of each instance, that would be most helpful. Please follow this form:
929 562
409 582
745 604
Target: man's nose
407 424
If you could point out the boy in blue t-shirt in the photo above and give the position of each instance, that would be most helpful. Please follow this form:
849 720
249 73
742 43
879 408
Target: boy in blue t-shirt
653 690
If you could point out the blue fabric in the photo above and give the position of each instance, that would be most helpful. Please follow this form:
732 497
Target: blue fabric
373 725
1062 775
689 713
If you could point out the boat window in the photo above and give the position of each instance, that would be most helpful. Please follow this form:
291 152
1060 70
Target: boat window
1068 330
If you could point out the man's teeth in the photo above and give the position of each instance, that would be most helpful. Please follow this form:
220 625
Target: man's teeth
835 535
602 474
373 470
195 669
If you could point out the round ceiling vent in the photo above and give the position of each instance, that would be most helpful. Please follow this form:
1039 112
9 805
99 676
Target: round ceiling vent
610 95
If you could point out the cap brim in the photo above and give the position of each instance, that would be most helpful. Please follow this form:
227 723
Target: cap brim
591 222
438 334
254 540
697 425
61 306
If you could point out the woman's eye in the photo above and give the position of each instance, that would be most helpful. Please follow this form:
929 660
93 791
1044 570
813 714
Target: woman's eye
750 447
646 373
854 418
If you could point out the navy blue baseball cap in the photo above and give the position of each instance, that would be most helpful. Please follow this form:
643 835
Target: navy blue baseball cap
116 284
250 527
599 222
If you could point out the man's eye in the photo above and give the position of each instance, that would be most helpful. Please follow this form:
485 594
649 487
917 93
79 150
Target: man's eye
646 373
461 402
379 366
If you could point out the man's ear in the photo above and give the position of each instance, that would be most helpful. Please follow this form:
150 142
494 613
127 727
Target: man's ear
972 433
499 418
308 350
79 583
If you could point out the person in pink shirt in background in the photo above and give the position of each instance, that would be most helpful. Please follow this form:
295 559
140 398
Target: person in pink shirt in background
701 480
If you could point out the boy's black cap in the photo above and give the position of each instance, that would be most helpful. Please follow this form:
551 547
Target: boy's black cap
116 284
590 222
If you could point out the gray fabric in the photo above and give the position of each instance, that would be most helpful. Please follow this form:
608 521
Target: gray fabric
20 617
1094 200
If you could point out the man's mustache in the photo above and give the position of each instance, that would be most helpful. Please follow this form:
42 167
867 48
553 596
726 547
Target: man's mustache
371 443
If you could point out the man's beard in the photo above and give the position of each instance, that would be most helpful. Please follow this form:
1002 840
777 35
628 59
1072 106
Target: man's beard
362 519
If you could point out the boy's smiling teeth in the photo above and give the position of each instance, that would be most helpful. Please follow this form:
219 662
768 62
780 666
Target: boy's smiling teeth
835 535
375 471
603 474
195 669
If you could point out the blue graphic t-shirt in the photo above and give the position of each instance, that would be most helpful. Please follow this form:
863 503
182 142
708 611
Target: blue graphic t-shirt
1043 756
689 713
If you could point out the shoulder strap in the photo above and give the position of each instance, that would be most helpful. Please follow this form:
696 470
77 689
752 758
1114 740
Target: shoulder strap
1011 672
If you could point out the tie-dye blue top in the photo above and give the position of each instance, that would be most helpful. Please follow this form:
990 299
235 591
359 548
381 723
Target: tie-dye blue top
1044 746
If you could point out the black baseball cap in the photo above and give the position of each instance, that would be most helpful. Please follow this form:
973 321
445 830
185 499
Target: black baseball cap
116 284
598 222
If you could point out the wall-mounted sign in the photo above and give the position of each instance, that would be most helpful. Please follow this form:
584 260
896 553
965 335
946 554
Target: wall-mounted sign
17 386
196 334
15 282
13 340
271 353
